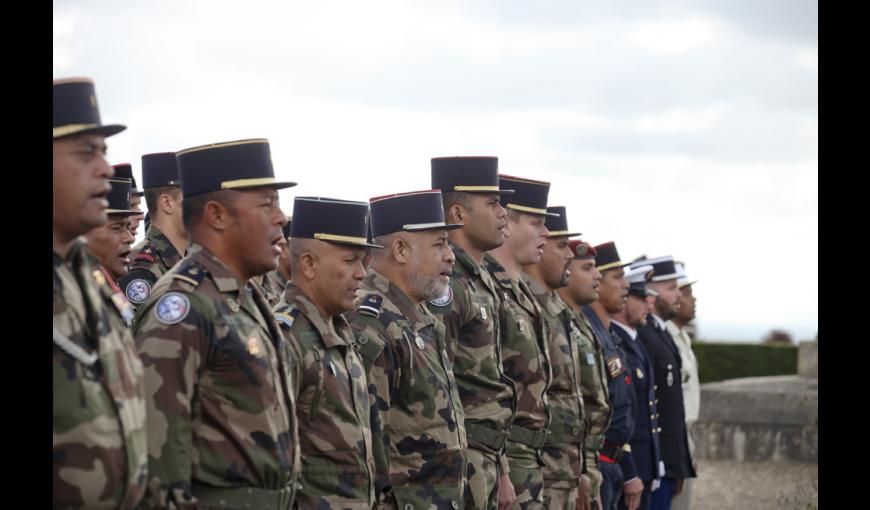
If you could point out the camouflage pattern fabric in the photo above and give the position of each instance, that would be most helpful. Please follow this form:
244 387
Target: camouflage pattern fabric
332 405
561 499
268 289
277 281
152 258
525 360
98 396
593 385
221 408
470 316
563 453
417 417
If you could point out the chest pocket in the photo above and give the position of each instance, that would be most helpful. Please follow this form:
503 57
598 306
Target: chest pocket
244 358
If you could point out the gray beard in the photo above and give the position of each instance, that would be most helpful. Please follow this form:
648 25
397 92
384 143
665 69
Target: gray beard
422 286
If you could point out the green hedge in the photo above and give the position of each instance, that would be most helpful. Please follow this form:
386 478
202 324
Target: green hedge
720 360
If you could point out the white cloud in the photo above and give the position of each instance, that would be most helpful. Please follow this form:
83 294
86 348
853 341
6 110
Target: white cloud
670 131
672 37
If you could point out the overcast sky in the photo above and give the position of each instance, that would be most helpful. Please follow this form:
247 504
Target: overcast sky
685 128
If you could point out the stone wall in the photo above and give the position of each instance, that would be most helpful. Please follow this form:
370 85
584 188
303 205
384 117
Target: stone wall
759 419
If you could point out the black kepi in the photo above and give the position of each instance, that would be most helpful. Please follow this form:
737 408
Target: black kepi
119 198
410 212
331 220
74 101
160 169
558 225
125 171
529 196
468 174
238 165
608 257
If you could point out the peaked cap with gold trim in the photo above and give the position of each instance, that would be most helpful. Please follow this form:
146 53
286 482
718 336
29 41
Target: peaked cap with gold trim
529 196
74 101
238 165
331 220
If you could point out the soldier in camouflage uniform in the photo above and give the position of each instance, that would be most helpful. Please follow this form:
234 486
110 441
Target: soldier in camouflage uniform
417 418
221 417
328 245
619 475
125 171
110 243
165 238
593 379
98 399
469 311
525 358
563 454
278 278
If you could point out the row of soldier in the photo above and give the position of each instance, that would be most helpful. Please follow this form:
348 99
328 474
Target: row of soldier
446 348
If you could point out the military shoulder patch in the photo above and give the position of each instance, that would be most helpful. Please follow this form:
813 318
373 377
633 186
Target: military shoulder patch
371 305
172 308
444 300
614 365
138 290
286 315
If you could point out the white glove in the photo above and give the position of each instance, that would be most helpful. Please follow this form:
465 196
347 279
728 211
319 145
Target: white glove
661 469
655 485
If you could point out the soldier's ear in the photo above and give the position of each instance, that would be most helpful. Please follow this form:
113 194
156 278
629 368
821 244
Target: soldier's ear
216 215
456 214
400 248
307 261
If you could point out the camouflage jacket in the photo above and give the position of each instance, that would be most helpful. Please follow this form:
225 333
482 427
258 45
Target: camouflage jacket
593 378
563 453
417 417
470 316
152 258
98 418
525 357
332 405
277 281
268 289
221 409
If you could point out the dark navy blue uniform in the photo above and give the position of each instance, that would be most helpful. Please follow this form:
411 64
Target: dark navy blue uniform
616 467
673 435
645 452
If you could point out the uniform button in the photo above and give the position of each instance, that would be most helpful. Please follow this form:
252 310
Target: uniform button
655 386
650 402
409 506
575 431
454 504
363 340
657 401
652 417
659 430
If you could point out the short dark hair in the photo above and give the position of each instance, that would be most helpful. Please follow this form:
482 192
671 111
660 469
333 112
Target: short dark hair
152 197
192 206
459 198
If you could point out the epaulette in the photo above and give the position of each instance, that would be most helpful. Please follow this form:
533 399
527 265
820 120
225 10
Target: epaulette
146 255
371 305
191 273
286 315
